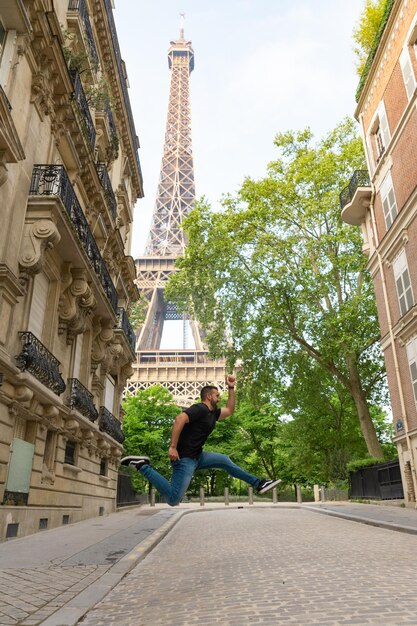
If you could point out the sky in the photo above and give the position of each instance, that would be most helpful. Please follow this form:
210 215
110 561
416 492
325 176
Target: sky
261 67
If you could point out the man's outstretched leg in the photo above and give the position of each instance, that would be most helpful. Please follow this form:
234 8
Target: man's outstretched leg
215 460
182 473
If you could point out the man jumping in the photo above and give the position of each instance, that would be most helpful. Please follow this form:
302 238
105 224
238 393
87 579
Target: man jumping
189 433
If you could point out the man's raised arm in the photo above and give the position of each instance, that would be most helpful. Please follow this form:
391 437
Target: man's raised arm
230 405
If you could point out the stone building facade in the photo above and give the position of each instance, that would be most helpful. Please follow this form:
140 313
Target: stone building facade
383 201
69 178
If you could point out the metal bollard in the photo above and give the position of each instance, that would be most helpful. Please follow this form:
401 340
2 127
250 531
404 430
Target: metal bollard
299 497
322 494
274 495
201 496
316 489
226 496
250 495
152 497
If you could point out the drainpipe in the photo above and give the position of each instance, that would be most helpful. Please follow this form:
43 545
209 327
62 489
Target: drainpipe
389 320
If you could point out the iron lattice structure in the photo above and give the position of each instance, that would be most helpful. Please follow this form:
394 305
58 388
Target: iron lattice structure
183 371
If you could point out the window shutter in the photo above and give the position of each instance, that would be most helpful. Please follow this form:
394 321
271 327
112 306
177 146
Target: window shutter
38 305
412 361
370 154
408 74
383 123
389 203
402 281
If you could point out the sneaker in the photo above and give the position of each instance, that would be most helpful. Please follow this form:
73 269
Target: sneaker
267 484
135 461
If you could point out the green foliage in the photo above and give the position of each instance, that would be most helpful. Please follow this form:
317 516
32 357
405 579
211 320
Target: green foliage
367 35
137 312
357 464
147 427
76 59
366 30
278 282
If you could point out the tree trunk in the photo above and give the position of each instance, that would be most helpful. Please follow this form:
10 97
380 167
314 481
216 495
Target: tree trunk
365 419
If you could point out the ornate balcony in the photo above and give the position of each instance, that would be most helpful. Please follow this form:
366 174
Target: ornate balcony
109 424
37 360
81 7
354 199
81 99
110 119
122 75
81 399
108 190
124 325
52 180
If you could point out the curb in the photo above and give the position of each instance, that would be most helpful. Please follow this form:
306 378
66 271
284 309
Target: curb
72 612
365 520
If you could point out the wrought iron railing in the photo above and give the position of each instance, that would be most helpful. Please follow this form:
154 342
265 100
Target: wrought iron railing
108 189
124 324
81 399
107 423
126 99
360 178
37 360
52 180
81 99
81 7
110 119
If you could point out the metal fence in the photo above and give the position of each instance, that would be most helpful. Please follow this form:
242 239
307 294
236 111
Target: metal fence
126 494
379 482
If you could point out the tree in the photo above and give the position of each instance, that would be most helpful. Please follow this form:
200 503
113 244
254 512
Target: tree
277 276
366 30
147 427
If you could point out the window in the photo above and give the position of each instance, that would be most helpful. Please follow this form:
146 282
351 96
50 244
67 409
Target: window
2 38
109 394
389 203
70 452
103 467
402 281
8 39
49 452
408 73
78 350
411 348
380 132
38 305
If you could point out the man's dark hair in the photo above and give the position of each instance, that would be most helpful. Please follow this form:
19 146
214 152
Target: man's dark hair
206 391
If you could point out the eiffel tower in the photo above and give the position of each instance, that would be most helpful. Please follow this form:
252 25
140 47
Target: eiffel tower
183 371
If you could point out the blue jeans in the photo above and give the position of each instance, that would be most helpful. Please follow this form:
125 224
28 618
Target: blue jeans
183 471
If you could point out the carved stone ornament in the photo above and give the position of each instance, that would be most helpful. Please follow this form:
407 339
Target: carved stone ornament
76 302
42 94
103 334
38 236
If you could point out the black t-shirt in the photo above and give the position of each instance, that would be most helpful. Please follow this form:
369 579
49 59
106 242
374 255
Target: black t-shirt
195 432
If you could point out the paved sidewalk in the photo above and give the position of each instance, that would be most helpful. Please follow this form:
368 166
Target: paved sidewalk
391 517
54 577
42 573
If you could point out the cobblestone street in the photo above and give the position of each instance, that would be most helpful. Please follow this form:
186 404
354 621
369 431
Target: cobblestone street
265 566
